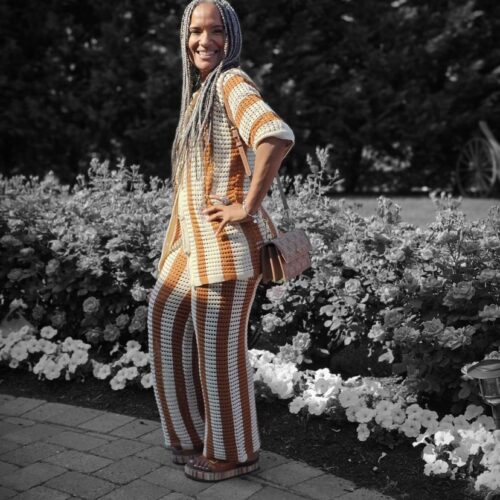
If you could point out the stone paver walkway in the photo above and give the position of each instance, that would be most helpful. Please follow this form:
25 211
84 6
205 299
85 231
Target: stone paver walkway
55 451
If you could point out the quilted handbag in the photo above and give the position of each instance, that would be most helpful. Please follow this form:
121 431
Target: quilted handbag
285 256
288 254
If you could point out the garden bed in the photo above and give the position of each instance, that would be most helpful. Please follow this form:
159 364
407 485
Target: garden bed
316 441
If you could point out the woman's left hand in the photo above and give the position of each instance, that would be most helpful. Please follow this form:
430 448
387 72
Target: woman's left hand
233 212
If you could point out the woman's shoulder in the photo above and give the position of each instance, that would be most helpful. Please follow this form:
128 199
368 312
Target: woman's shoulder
232 76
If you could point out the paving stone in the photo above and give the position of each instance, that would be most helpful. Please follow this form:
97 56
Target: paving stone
268 459
81 462
272 493
174 479
6 446
119 449
136 428
157 454
106 437
325 487
5 397
135 490
31 453
177 496
126 470
76 440
22 422
364 494
7 427
42 493
75 415
18 406
156 437
81 485
45 412
230 489
6 493
106 422
289 473
34 433
25 478
7 468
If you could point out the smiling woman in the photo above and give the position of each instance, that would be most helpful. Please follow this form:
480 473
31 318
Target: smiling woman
210 265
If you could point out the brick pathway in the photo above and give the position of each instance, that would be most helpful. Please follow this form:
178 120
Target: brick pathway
54 451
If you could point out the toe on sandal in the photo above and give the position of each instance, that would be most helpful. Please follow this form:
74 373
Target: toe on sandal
216 470
181 457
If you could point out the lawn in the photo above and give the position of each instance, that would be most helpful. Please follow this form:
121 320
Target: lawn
421 210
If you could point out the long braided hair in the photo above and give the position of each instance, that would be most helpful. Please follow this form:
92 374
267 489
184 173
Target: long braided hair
192 128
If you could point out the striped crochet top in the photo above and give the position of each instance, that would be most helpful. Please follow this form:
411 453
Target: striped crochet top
235 253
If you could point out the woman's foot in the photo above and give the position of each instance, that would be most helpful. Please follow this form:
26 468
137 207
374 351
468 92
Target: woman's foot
202 468
181 457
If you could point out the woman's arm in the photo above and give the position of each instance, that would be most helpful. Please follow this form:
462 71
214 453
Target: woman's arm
268 157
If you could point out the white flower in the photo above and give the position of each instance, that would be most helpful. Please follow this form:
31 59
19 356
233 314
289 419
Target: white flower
437 467
147 380
363 432
414 409
19 352
364 414
398 415
276 293
411 428
51 370
443 437
133 345
32 345
14 363
47 347
68 344
384 406
79 357
297 404
131 372
47 332
317 405
350 413
428 418
100 370
117 383
140 358
473 411
429 454
349 398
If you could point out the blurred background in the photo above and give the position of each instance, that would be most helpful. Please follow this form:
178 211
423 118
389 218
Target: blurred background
395 87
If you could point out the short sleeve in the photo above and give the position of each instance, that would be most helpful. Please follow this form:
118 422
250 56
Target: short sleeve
254 118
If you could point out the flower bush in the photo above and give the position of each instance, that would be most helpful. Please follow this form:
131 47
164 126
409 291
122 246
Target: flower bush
424 304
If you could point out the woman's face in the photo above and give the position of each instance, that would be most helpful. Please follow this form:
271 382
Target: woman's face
206 38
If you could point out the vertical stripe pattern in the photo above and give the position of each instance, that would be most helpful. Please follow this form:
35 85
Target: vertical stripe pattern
202 377
234 254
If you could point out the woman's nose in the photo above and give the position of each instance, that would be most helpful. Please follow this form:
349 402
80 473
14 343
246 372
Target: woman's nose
204 38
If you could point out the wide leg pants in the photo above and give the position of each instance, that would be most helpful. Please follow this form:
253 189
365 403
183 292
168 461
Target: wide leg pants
202 377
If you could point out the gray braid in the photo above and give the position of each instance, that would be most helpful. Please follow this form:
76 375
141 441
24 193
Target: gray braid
189 136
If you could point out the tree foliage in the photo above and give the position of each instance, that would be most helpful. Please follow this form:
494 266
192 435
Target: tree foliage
396 87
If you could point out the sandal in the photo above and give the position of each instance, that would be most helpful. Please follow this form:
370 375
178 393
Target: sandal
218 470
181 457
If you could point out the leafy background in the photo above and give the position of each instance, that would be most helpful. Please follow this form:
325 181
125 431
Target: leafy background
395 87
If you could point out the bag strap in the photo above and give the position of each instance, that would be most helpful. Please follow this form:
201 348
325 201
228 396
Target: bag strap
241 149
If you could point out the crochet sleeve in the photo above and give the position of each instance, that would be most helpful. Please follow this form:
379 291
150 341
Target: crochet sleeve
253 117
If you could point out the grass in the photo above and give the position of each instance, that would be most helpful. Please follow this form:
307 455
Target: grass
420 211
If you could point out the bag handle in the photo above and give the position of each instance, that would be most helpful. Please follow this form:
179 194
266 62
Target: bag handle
241 149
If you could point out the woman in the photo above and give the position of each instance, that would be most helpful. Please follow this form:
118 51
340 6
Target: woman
210 263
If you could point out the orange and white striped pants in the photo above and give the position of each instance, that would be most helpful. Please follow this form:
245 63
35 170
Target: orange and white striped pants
202 377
